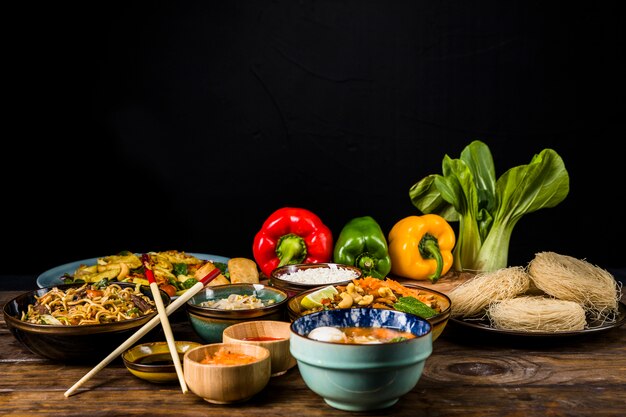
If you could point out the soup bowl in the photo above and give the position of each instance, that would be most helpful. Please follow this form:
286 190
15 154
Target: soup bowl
226 383
360 377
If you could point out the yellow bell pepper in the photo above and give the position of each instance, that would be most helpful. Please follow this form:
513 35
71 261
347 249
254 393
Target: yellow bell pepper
420 247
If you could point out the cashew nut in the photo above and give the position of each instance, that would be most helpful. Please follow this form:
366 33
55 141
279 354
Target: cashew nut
385 292
346 300
366 300
354 293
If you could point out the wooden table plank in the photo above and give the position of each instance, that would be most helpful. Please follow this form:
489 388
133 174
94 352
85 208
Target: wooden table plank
469 374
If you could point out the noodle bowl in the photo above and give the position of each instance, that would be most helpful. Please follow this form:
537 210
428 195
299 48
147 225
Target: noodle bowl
75 343
88 304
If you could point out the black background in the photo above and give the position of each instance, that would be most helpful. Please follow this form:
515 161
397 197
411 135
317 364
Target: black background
183 125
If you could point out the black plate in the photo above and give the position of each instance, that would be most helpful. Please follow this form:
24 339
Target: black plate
593 326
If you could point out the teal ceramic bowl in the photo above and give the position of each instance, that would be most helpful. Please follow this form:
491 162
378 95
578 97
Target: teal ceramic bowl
209 322
361 377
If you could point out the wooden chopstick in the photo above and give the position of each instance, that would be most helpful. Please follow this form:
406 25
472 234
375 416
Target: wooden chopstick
165 322
182 299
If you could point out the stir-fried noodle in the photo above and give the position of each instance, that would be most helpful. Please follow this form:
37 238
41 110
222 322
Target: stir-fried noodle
89 305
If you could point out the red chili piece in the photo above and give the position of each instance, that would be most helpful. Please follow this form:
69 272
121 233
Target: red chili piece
292 236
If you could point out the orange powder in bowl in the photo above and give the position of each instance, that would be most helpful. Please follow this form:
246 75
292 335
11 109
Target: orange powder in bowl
225 357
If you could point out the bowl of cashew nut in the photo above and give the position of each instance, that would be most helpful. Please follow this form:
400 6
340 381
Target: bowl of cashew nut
369 292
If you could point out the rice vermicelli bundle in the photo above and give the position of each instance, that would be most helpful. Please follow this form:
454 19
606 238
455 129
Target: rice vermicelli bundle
536 314
474 295
572 279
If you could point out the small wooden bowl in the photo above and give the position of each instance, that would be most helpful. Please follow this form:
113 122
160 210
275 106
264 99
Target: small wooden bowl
270 334
226 384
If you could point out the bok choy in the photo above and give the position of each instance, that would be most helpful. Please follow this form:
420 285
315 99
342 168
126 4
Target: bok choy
487 210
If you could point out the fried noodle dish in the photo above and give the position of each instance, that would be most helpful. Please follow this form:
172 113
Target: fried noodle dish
174 271
89 304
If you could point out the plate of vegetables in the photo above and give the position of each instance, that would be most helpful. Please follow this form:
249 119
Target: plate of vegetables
174 270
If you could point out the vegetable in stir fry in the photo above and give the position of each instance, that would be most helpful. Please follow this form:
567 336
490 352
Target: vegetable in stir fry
89 304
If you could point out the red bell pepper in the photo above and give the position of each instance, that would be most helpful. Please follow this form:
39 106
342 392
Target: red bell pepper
292 236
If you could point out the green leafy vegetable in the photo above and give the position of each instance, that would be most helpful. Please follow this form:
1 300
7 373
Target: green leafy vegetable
398 339
223 267
414 306
188 283
179 269
487 210
103 283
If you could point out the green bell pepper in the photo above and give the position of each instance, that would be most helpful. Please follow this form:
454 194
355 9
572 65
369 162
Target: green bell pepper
362 244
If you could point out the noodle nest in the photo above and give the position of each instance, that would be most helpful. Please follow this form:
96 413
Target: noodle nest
572 279
554 293
474 296
537 314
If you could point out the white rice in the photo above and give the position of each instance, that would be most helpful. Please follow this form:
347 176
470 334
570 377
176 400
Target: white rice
320 275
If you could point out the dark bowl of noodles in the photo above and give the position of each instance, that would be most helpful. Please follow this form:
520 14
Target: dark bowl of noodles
79 323
215 308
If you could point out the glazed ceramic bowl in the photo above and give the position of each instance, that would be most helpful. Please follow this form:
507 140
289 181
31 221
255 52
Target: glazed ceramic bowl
297 278
227 384
360 377
75 343
209 322
439 322
153 361
270 334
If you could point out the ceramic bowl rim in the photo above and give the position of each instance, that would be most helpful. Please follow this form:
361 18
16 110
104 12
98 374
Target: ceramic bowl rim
442 316
147 368
363 346
275 280
209 312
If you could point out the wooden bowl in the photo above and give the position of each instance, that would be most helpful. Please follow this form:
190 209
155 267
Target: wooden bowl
270 334
226 384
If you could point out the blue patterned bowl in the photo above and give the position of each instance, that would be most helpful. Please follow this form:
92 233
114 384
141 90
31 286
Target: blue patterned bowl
360 377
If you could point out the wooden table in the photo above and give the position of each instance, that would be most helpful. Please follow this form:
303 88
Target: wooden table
468 374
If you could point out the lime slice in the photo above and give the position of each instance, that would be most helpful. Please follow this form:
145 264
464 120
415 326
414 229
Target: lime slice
315 298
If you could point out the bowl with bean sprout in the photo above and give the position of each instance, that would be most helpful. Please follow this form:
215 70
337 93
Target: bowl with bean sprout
215 308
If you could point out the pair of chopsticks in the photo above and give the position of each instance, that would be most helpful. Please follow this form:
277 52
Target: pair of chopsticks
145 329
165 322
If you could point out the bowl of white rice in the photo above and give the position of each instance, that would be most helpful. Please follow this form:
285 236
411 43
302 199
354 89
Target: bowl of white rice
294 279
